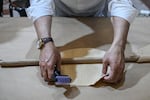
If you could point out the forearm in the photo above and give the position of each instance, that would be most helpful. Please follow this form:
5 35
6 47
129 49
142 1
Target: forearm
121 27
49 55
43 26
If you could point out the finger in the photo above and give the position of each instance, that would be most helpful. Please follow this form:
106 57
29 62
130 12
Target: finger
109 77
42 65
50 67
50 72
45 75
112 76
41 69
105 66
44 71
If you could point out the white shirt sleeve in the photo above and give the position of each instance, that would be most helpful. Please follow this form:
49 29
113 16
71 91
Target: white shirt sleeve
123 9
39 8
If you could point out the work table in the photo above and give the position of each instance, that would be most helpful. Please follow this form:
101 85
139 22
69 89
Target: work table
18 42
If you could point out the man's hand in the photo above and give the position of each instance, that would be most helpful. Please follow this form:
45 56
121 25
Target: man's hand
114 58
49 57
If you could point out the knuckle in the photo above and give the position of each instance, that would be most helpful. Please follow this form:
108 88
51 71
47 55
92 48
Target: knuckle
42 64
49 64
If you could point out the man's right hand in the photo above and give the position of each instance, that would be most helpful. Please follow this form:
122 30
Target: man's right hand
49 57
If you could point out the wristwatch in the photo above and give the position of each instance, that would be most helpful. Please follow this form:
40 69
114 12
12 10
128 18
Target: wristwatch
42 41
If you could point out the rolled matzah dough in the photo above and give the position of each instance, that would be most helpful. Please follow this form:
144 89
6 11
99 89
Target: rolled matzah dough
83 74
144 54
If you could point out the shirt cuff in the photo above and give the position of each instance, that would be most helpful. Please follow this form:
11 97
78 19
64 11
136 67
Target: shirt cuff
123 10
34 13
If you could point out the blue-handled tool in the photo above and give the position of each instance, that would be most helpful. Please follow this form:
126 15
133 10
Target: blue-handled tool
60 79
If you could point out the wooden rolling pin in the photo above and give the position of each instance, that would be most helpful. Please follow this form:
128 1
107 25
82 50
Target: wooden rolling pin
90 60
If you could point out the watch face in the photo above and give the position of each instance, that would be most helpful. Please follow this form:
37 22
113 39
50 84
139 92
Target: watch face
40 44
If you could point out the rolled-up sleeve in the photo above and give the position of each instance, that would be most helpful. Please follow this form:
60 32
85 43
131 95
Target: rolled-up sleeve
39 8
123 9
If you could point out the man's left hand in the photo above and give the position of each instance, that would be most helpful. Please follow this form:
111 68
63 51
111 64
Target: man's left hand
114 58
